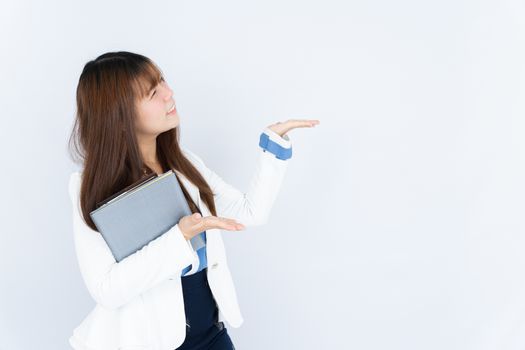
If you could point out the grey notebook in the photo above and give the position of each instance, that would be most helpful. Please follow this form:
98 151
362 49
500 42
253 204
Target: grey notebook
140 213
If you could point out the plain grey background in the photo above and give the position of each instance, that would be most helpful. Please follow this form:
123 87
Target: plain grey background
400 221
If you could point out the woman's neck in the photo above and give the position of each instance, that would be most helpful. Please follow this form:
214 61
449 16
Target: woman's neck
148 152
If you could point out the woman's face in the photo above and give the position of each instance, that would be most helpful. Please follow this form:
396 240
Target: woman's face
154 116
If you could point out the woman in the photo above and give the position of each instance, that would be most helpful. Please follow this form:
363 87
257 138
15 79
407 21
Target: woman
165 296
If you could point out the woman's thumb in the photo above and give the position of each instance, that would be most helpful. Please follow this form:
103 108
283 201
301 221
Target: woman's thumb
196 216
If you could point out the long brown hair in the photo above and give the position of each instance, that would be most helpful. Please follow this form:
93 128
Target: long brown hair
103 135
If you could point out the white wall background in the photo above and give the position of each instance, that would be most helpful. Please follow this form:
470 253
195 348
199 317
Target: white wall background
400 221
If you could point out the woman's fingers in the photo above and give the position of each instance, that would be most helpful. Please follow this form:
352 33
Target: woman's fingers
192 225
211 222
282 128
301 123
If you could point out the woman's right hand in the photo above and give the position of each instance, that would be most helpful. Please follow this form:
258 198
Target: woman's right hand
192 225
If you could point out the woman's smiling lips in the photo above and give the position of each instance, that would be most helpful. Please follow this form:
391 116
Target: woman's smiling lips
174 111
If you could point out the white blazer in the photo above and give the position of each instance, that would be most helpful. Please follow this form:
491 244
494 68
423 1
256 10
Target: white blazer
139 301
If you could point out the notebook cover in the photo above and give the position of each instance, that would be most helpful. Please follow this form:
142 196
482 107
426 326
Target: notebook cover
133 217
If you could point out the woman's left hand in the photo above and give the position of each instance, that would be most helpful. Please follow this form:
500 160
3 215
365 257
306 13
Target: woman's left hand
282 128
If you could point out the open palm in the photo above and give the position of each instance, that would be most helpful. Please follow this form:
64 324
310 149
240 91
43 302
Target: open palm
282 128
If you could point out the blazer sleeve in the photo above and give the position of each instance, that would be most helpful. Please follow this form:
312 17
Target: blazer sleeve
253 207
113 284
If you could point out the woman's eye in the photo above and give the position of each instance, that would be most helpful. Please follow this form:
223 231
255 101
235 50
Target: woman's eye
154 91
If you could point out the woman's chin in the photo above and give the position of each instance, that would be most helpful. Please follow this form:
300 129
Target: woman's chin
174 119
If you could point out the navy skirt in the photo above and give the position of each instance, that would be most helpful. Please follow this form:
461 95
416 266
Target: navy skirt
203 329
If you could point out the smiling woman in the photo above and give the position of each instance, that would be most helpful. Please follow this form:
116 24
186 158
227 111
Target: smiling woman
162 296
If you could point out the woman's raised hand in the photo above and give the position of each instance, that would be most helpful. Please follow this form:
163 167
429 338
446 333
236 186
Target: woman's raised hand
282 128
192 225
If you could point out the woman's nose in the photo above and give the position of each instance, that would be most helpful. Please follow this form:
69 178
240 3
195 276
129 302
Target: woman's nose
168 93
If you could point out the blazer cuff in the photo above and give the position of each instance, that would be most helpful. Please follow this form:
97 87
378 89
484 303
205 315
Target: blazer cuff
283 141
279 146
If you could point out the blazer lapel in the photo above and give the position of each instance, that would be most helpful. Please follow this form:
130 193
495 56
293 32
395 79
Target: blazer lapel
213 239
